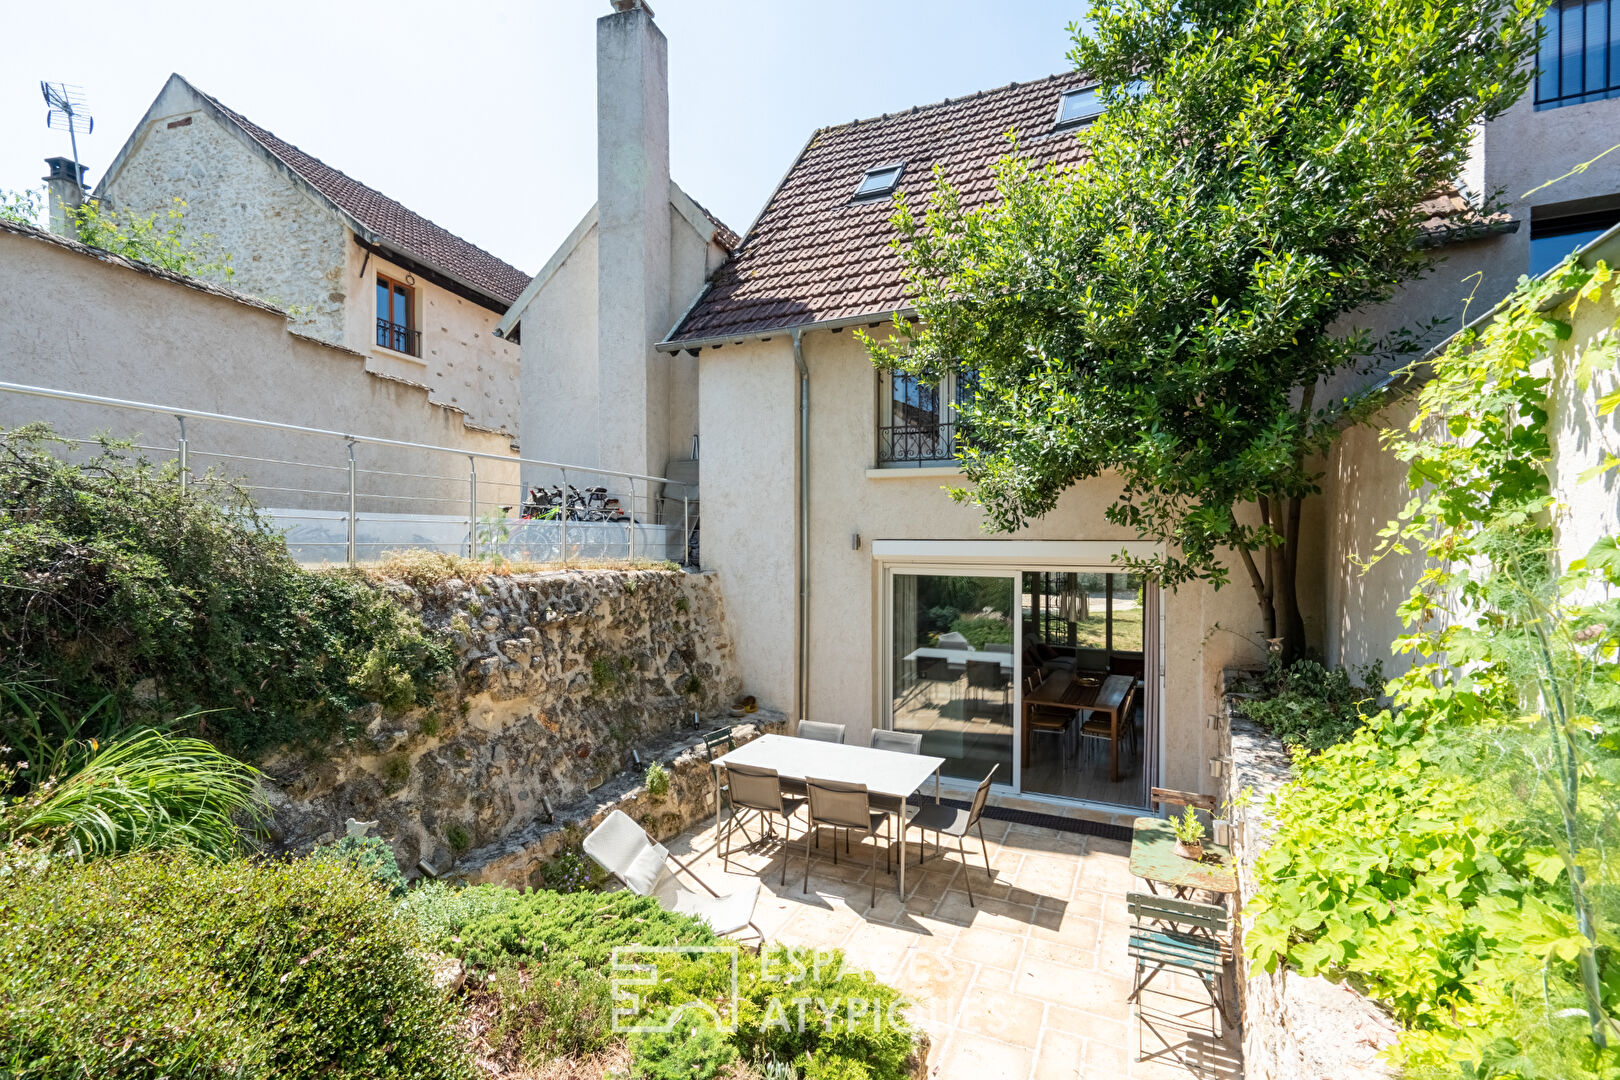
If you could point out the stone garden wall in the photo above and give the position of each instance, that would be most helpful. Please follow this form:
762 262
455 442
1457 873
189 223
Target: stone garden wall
1294 1028
562 679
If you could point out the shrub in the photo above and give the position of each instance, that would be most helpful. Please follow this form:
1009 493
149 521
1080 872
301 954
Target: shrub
133 578
689 1050
984 630
549 1011
164 966
440 910
657 780
369 856
1312 706
144 790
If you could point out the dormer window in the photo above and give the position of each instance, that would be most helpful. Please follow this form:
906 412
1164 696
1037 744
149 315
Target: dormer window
879 181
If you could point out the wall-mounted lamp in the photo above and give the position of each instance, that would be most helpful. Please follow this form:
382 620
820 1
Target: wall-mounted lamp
855 541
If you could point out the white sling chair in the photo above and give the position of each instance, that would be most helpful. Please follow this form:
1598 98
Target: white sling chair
623 849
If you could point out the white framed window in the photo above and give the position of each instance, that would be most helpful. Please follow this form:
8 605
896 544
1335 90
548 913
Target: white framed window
917 420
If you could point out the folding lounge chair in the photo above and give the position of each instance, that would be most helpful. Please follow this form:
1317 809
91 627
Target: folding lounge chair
623 849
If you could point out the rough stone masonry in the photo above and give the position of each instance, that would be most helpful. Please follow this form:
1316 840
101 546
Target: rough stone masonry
561 679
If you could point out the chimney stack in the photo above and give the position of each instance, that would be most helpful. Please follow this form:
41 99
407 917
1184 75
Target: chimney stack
66 183
633 240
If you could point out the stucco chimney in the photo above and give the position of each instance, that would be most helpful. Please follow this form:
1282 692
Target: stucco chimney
632 199
65 182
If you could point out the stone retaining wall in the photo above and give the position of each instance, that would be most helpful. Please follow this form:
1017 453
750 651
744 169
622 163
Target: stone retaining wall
1294 1028
561 678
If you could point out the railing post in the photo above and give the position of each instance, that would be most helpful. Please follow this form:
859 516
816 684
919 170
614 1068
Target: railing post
562 516
352 520
183 452
632 482
686 530
472 506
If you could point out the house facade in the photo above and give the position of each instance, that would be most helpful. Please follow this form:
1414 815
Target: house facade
356 268
861 594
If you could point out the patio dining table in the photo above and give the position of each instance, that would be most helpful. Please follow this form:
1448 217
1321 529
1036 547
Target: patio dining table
884 772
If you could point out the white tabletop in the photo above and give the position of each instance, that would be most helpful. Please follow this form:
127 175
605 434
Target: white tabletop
883 771
961 656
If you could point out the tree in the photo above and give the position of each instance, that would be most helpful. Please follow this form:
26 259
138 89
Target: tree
1168 311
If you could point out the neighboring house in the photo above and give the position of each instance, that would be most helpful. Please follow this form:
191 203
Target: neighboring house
76 319
359 269
594 390
860 594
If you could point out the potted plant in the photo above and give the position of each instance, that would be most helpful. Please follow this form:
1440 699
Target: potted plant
1189 835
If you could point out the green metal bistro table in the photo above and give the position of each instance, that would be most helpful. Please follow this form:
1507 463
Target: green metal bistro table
1154 859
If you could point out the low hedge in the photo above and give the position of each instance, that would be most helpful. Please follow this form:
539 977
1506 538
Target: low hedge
547 957
152 966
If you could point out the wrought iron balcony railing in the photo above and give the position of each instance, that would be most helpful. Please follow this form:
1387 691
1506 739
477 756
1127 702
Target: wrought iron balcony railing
916 444
391 335
1580 53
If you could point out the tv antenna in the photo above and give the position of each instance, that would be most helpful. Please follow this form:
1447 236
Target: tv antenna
64 108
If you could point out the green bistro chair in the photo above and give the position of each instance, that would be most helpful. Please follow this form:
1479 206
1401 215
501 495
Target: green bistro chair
1183 935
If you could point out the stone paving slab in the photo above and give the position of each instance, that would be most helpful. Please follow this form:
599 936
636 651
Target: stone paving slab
1028 982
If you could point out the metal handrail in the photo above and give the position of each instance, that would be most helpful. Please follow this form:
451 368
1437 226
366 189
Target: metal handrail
917 442
400 338
369 440
183 449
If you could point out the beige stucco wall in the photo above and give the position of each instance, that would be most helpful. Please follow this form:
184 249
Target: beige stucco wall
1366 487
290 247
70 320
750 401
462 363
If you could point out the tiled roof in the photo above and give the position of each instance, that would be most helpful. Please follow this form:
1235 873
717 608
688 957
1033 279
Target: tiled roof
723 234
814 255
400 228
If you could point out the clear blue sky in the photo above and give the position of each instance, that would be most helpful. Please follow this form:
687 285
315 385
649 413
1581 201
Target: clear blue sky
481 115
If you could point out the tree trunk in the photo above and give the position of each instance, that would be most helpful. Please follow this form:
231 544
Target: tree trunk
1285 590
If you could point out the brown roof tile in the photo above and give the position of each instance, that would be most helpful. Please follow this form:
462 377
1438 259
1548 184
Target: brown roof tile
399 227
814 255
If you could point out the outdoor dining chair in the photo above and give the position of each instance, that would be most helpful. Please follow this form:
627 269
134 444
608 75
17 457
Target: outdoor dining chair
1183 935
821 732
938 818
987 675
759 791
623 849
896 742
715 744
844 806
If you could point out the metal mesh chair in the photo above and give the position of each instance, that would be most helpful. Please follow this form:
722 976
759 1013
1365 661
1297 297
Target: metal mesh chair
821 732
715 744
899 742
938 818
758 790
843 806
987 675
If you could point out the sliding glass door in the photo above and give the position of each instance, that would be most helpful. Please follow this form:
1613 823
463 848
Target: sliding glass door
954 668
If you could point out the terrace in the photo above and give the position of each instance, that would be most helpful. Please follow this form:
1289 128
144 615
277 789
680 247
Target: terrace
1029 982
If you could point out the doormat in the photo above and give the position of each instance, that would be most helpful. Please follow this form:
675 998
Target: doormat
1104 829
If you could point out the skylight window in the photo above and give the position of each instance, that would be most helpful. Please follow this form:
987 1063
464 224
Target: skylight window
1079 106
1085 105
879 181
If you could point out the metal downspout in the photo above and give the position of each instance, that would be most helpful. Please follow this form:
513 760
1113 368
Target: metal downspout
804 525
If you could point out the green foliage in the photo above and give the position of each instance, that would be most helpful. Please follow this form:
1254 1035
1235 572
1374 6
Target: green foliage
118 575
1308 705
368 856
571 872
984 630
458 838
25 207
1188 828
604 673
1452 857
657 780
1164 310
554 1010
690 1050
846 1015
164 244
147 967
143 790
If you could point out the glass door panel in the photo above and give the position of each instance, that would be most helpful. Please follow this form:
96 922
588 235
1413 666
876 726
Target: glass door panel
954 669
1083 644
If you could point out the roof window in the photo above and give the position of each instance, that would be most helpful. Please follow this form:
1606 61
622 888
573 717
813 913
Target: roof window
1082 106
879 181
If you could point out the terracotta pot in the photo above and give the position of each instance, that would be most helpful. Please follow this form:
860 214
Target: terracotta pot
1194 851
